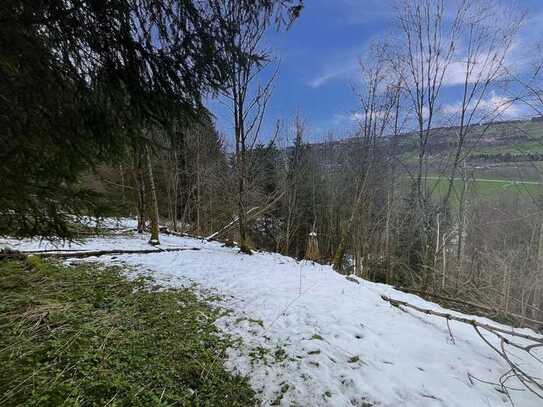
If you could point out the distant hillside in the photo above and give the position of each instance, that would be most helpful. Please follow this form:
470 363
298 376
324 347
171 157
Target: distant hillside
506 141
509 151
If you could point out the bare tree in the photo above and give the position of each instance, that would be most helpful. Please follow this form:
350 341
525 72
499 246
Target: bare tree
479 64
241 35
378 96
424 51
427 45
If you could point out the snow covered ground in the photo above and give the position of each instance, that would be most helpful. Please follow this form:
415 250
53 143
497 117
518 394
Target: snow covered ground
311 337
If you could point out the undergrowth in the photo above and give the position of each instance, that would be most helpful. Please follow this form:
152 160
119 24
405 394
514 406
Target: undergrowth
86 335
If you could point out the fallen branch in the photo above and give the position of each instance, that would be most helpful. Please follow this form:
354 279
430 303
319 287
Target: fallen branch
471 304
529 382
253 214
472 322
49 251
225 228
444 298
166 231
111 252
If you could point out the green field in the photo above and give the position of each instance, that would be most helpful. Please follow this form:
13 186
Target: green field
500 167
481 189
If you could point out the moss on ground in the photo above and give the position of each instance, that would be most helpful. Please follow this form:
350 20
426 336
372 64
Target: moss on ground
86 335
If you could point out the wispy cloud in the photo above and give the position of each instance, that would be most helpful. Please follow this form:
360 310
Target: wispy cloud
332 74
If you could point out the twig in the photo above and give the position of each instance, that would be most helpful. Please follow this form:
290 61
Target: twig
450 333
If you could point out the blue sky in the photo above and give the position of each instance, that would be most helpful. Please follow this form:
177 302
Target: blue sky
319 63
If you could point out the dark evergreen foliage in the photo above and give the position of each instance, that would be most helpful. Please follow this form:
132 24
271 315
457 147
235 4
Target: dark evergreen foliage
80 80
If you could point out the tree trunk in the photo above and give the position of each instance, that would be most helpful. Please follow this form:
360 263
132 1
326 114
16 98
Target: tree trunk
462 212
139 179
153 210
198 202
241 152
123 189
339 255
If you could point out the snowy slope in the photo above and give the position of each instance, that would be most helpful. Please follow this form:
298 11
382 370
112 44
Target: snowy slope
312 338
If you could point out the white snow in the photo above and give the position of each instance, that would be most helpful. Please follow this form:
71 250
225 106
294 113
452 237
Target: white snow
334 342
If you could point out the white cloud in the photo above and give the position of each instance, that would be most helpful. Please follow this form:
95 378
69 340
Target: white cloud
455 74
358 117
484 66
493 105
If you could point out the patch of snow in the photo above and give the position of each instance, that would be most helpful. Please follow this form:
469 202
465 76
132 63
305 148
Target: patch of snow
333 342
133 242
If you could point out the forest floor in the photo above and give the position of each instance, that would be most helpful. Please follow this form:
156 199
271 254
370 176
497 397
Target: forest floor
304 335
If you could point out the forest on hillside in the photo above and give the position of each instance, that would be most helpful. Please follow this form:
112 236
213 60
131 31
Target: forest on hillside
104 113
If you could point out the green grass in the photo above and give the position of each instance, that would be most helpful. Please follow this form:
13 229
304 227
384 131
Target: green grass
487 189
481 189
85 335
